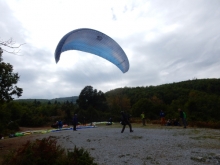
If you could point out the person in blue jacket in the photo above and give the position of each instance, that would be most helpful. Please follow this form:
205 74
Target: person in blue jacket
75 122
60 124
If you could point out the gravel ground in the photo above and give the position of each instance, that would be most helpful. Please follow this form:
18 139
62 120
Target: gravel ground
146 145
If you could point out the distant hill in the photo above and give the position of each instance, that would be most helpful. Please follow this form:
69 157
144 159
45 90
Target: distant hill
61 100
65 99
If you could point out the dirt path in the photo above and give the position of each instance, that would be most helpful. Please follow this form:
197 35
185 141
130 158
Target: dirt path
146 145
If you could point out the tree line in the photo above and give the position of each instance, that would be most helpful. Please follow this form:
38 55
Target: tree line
199 98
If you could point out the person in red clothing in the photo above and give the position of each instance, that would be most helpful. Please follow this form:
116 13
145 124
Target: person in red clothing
162 117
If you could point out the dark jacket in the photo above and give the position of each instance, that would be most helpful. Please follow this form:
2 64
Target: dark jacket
75 120
181 115
124 118
60 123
162 114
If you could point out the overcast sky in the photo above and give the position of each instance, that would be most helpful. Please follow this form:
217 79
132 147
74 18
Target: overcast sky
165 41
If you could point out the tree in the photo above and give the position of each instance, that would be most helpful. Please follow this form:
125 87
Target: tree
119 103
8 81
143 105
91 98
9 46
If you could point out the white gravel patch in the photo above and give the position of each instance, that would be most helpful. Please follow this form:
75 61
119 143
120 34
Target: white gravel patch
145 146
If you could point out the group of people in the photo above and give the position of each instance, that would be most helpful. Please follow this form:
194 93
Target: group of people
125 120
59 124
174 122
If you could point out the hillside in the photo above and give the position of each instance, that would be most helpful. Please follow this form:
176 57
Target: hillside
199 98
60 100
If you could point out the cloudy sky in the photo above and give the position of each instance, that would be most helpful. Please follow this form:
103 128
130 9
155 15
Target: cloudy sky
165 42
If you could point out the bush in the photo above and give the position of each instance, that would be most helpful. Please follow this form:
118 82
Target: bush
201 124
80 157
46 151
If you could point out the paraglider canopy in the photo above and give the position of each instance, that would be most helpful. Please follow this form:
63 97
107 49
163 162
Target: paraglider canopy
95 42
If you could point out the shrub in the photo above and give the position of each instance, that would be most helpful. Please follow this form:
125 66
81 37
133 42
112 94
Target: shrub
80 157
46 151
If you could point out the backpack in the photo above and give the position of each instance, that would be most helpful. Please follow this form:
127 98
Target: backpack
184 115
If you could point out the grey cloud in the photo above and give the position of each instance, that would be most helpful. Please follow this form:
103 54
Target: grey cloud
10 27
190 50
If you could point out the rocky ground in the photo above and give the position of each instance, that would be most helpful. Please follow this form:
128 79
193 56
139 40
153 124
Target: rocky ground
146 145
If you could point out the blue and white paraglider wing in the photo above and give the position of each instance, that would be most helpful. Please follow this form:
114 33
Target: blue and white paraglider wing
95 42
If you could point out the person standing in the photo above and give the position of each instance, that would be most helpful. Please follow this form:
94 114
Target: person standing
143 118
125 121
162 117
60 124
182 117
109 121
84 120
75 122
